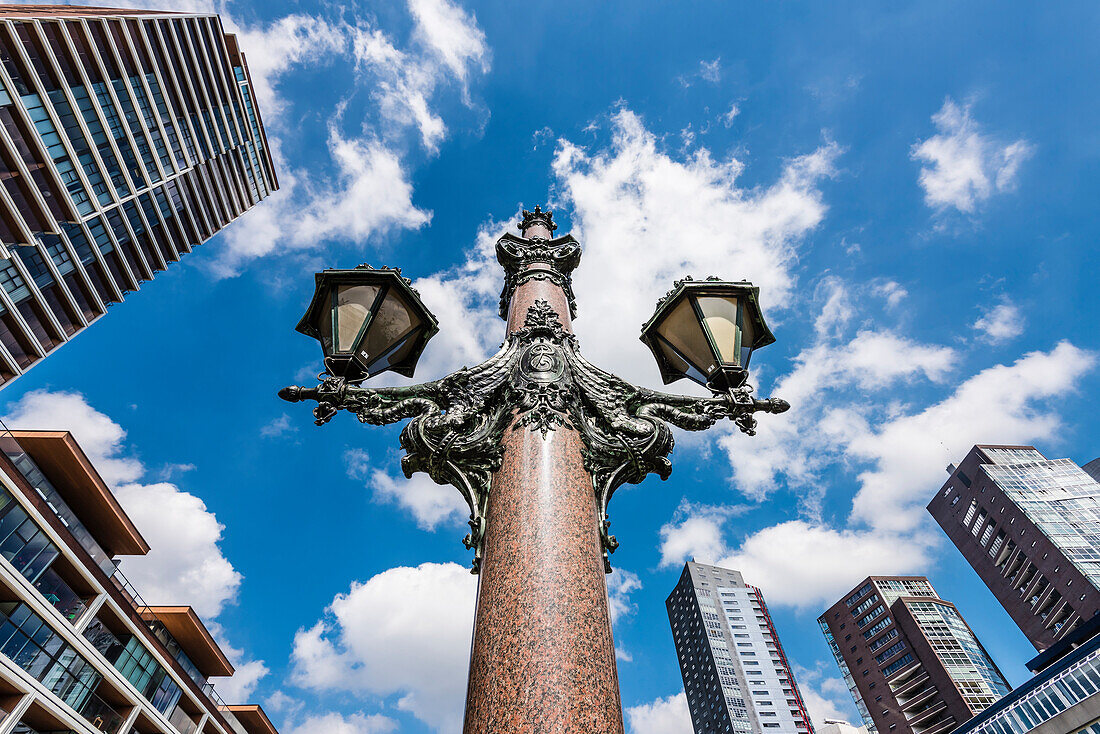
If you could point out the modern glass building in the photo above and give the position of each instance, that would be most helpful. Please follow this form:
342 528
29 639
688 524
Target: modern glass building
1062 698
910 661
736 676
127 137
80 651
1030 528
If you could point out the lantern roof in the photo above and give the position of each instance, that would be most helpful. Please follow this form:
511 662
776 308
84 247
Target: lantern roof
361 275
712 285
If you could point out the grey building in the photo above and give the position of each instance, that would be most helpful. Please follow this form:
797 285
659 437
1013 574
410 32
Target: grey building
736 676
127 137
1062 698
1030 528
911 662
1093 469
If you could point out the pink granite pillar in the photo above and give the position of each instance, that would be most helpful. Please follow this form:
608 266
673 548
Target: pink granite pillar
543 659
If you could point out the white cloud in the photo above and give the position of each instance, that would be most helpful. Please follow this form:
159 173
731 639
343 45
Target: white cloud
277 427
243 683
290 42
1001 323
453 34
334 723
733 112
963 166
711 71
1001 404
695 531
620 584
825 696
661 716
185 565
875 359
650 219
364 192
99 436
430 504
404 632
892 291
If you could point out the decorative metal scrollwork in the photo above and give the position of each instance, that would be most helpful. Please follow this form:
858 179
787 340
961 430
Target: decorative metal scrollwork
538 380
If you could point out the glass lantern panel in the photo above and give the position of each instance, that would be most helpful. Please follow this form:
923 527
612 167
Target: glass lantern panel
720 316
748 336
353 305
394 319
681 329
395 355
680 364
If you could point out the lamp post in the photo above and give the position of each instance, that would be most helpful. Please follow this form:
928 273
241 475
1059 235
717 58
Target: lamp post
537 440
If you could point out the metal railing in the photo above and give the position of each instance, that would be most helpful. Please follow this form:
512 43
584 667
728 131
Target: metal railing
101 714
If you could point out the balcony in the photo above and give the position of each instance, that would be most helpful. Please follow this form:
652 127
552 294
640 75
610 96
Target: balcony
101 714
926 715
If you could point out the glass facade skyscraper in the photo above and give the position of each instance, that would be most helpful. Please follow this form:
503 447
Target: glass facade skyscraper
910 661
1030 527
127 137
736 676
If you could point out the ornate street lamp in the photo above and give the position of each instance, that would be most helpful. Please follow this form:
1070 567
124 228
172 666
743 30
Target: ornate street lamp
706 331
537 439
368 321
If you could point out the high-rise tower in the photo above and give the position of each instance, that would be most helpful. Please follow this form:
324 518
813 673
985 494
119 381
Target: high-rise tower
1030 528
911 662
127 137
736 677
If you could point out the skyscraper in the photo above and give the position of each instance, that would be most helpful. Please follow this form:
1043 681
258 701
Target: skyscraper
80 650
736 677
1030 528
127 137
910 661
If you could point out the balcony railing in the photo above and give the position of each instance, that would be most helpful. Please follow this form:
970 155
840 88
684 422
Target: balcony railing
184 724
61 595
101 714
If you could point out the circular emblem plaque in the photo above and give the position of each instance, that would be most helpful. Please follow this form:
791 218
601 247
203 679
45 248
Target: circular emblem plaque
541 362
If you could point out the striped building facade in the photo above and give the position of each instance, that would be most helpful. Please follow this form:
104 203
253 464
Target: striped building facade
127 137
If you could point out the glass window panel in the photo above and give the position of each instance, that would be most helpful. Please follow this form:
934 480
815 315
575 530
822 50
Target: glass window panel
393 320
720 316
679 363
353 305
682 330
397 353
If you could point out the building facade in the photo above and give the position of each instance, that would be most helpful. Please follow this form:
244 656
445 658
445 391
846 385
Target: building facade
1063 697
1030 528
909 659
736 676
80 651
127 137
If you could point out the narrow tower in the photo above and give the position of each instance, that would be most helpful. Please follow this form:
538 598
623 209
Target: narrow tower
736 677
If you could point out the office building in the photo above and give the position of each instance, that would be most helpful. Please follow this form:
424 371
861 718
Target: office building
912 664
1030 528
1093 469
1063 697
736 677
839 726
80 651
127 137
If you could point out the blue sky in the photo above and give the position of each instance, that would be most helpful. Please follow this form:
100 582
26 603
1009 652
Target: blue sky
913 187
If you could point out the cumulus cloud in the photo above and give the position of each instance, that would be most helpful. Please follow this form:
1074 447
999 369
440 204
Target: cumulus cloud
101 438
963 166
404 632
1013 404
661 716
826 696
430 504
620 584
334 723
632 200
360 189
1000 323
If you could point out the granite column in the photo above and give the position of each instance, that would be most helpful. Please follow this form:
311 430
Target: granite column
543 658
